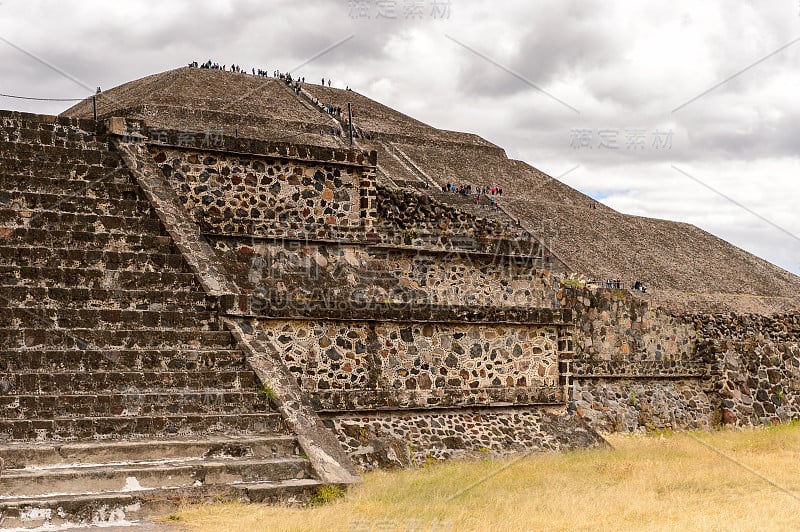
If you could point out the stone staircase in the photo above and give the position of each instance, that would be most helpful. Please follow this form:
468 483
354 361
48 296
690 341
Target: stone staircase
121 392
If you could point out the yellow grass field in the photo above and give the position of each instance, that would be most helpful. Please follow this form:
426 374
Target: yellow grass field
728 480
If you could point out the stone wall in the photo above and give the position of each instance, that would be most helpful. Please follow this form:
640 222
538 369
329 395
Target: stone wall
390 440
421 331
249 194
756 365
619 404
614 329
635 368
409 306
379 365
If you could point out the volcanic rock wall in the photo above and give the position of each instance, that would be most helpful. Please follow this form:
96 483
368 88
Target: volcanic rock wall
756 365
409 324
382 302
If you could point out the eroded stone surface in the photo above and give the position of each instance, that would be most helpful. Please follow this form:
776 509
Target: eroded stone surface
385 441
346 366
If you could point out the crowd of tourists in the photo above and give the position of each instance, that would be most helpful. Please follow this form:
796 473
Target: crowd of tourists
259 72
468 190
294 83
617 284
492 192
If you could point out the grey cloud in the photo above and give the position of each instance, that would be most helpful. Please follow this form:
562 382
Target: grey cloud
547 51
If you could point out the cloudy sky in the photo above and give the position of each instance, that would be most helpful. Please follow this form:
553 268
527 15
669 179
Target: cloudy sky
680 110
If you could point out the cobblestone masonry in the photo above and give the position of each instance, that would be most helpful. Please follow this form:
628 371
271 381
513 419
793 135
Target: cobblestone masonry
635 367
756 360
367 366
625 405
401 440
245 194
613 329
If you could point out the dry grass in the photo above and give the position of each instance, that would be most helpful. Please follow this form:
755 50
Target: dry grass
657 482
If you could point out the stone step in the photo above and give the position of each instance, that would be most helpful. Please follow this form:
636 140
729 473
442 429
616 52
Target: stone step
143 381
79 202
99 298
24 236
125 508
21 455
69 221
69 318
149 475
122 187
41 276
131 403
81 173
59 154
58 257
94 339
120 360
54 169
120 428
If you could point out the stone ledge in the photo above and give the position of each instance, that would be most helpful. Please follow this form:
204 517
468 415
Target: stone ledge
639 369
376 400
655 376
375 238
255 306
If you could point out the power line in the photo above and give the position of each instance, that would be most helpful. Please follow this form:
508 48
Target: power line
43 99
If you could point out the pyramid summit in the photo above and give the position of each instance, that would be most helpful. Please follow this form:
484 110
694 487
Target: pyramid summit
209 292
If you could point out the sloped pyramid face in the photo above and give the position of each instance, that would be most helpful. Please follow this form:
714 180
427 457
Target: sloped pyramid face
679 260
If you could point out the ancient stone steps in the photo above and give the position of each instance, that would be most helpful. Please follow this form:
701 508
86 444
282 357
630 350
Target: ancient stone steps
126 507
98 298
108 342
77 203
158 426
70 318
42 276
32 237
94 382
92 339
58 257
105 170
114 224
120 360
130 404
